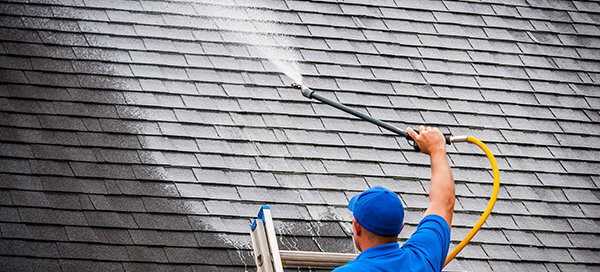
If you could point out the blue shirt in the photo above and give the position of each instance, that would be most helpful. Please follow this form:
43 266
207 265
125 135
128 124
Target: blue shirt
425 250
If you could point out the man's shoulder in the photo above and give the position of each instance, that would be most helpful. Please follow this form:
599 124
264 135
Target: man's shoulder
434 220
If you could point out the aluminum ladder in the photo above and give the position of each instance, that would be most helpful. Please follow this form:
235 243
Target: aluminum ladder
269 258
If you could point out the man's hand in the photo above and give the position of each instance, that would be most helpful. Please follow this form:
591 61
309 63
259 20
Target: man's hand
430 140
441 191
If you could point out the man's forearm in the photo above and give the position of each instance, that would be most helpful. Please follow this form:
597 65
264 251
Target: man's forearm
441 190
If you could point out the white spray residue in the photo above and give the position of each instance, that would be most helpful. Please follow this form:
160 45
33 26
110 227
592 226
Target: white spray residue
288 68
261 30
240 247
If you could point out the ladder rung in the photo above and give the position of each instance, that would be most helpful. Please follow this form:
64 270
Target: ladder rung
312 264
314 258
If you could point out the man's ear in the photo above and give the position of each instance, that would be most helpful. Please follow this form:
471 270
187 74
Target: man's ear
356 227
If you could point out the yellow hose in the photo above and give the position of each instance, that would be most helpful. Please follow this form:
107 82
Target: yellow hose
490 205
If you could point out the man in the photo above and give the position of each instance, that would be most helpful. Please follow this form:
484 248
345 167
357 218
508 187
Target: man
378 219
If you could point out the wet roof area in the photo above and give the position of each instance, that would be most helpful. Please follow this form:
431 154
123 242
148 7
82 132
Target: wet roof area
144 135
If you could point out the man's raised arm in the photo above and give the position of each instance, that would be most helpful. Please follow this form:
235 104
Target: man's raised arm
441 191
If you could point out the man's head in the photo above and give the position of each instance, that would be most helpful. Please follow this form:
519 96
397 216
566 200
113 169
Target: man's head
378 217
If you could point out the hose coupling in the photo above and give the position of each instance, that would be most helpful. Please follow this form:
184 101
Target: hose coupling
458 139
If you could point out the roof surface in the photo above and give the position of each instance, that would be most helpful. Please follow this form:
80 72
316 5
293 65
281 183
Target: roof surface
144 135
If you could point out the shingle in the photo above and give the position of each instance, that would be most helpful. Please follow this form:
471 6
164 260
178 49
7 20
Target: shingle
37 232
584 240
219 207
42 199
29 248
117 203
577 140
173 206
584 225
397 50
63 217
109 219
543 254
269 195
102 252
500 252
554 239
195 255
163 238
23 263
21 120
578 267
409 26
271 164
579 195
50 167
590 210
542 223
77 265
163 222
101 170
16 150
521 237
114 41
212 223
450 79
139 253
98 235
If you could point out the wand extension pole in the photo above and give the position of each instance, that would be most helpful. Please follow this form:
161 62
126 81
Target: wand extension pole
311 94
308 93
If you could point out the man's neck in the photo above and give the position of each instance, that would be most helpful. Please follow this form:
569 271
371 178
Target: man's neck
370 244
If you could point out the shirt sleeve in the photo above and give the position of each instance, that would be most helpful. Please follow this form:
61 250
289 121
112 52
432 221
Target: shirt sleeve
431 239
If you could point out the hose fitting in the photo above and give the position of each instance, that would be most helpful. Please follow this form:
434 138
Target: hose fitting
458 139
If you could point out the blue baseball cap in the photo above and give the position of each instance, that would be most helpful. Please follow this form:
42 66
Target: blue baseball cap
379 210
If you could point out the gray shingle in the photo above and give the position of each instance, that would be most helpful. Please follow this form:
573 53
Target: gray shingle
98 235
75 265
163 222
29 248
147 254
103 252
163 238
543 254
500 252
519 237
110 219
37 232
24 263
173 206
549 224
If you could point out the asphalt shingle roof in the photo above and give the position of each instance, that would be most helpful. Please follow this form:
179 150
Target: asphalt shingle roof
144 135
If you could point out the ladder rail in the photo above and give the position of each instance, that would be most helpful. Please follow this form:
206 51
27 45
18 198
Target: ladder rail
272 240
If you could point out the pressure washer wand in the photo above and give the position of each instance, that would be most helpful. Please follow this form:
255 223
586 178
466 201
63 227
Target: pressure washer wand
308 93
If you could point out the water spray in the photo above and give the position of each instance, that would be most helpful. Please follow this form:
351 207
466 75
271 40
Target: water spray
308 93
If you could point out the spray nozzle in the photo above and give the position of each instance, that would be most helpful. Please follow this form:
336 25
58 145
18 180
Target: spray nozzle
308 93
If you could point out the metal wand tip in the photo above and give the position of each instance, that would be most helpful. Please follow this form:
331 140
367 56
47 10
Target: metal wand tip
296 85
